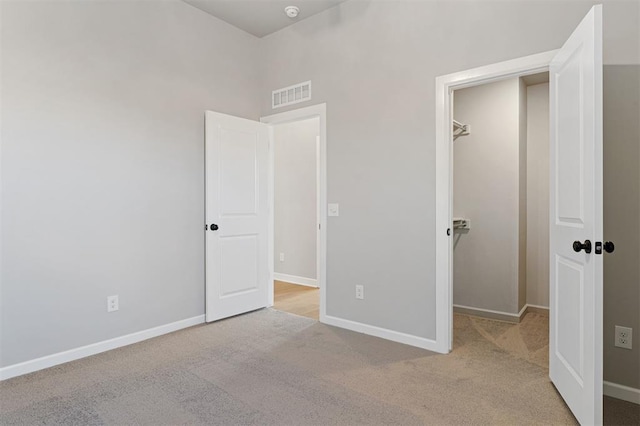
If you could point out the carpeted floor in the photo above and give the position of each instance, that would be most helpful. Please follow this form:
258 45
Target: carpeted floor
270 367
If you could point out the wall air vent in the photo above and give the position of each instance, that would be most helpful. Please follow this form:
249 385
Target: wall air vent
291 95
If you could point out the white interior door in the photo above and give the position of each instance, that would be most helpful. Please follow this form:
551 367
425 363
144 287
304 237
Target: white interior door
575 346
236 163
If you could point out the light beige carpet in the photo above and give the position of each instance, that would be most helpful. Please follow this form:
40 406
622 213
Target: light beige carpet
270 367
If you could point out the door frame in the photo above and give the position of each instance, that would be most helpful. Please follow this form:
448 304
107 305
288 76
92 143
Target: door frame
445 85
315 111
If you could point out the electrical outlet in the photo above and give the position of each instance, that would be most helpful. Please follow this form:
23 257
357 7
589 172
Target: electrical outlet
623 337
281 257
112 303
359 292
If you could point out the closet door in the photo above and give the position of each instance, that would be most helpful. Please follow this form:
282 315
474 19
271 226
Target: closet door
575 344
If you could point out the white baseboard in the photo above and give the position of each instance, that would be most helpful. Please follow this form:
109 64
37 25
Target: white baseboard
625 393
544 308
95 348
498 315
537 309
293 279
383 333
489 313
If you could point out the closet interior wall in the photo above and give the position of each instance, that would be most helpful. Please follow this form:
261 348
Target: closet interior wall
499 186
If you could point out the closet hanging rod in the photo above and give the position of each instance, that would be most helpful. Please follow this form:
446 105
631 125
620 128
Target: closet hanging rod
459 125
460 129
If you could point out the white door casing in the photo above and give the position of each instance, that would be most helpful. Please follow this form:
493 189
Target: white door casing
575 322
445 85
236 200
314 111
575 309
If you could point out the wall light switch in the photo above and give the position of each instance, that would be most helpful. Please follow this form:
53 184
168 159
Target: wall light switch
333 209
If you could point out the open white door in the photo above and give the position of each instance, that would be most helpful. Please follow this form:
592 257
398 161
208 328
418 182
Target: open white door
236 164
575 345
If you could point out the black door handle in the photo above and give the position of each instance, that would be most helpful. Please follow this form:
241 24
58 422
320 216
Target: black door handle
213 227
609 247
577 246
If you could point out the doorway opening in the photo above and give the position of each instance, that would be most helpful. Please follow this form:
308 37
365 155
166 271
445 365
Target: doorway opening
575 209
297 236
500 229
295 192
239 211
449 133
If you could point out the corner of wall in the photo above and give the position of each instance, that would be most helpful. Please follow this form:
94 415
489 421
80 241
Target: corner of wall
522 191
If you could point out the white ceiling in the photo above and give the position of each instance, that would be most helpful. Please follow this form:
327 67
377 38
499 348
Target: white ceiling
261 17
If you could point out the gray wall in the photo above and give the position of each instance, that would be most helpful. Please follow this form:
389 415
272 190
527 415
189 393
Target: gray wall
102 164
375 64
538 195
621 219
122 86
486 190
513 155
295 197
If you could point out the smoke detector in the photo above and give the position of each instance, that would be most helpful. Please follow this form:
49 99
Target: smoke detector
292 11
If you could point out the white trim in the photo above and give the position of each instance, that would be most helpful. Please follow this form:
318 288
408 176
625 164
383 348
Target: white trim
319 210
95 348
492 314
499 315
444 167
622 392
383 333
272 218
529 305
320 111
293 279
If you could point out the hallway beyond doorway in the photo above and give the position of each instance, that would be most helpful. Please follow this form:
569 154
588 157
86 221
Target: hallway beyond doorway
297 299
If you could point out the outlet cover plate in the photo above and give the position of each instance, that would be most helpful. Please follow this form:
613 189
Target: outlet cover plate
113 303
623 337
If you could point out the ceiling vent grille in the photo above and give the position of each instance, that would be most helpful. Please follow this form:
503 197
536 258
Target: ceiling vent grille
291 95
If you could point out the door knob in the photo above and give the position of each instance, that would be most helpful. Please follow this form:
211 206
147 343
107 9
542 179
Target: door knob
213 227
609 247
577 246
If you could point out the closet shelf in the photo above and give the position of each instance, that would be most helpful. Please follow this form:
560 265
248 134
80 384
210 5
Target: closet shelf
461 223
